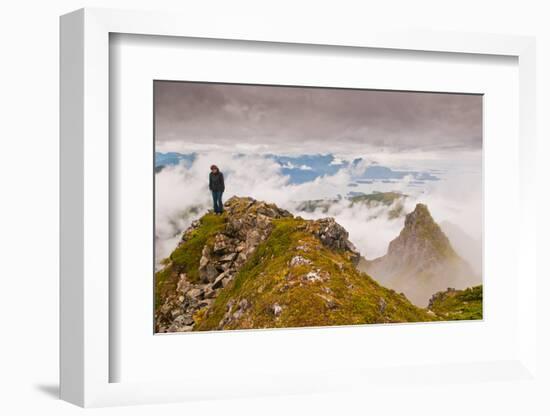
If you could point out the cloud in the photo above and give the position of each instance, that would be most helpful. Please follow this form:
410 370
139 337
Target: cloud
290 165
456 198
296 119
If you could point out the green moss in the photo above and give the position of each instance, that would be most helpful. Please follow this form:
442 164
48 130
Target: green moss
459 305
341 296
186 258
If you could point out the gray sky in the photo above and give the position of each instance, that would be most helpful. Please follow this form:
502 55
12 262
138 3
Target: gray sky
305 118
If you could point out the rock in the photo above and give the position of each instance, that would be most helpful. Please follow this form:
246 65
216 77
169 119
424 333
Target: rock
242 307
209 292
329 302
209 273
221 243
263 222
184 320
228 257
244 304
179 329
203 261
226 266
299 261
218 282
253 238
205 303
302 247
313 276
241 258
195 293
176 312
183 285
227 316
276 309
381 305
333 236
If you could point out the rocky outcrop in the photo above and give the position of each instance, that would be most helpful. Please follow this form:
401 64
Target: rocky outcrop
248 223
333 236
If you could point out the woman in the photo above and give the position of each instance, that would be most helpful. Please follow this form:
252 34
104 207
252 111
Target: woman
217 186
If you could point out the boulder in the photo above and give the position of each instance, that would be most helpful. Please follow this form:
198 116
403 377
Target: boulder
209 273
218 282
333 236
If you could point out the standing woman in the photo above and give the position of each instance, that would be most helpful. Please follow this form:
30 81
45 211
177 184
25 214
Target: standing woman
217 186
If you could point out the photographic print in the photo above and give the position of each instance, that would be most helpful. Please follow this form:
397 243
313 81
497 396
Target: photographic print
289 206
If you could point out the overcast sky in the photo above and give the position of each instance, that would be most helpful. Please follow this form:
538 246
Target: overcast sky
313 120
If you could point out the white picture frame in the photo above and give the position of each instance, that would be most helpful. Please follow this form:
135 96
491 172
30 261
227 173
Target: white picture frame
85 211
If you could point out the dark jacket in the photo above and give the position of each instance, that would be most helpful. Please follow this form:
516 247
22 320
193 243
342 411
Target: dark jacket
216 183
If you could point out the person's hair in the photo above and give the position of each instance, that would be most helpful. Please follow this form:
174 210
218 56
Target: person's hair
214 167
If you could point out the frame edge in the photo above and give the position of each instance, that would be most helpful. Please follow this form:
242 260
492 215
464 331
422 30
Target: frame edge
71 202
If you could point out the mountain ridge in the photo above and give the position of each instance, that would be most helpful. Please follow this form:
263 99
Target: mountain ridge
258 266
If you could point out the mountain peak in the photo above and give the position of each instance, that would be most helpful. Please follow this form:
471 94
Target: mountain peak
421 210
420 217
421 235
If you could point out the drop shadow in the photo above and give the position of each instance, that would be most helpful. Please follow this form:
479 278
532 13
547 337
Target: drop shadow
51 390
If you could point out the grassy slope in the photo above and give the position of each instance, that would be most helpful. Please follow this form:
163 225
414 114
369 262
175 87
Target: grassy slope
465 304
346 297
186 258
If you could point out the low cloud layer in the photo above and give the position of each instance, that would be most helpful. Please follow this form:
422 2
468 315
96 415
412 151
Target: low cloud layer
182 195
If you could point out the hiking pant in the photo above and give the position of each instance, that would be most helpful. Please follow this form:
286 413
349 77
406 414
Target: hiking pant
218 204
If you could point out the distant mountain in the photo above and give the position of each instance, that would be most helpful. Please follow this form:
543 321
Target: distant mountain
357 198
386 198
421 260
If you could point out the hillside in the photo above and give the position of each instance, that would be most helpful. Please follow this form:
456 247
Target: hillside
258 266
453 304
421 261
